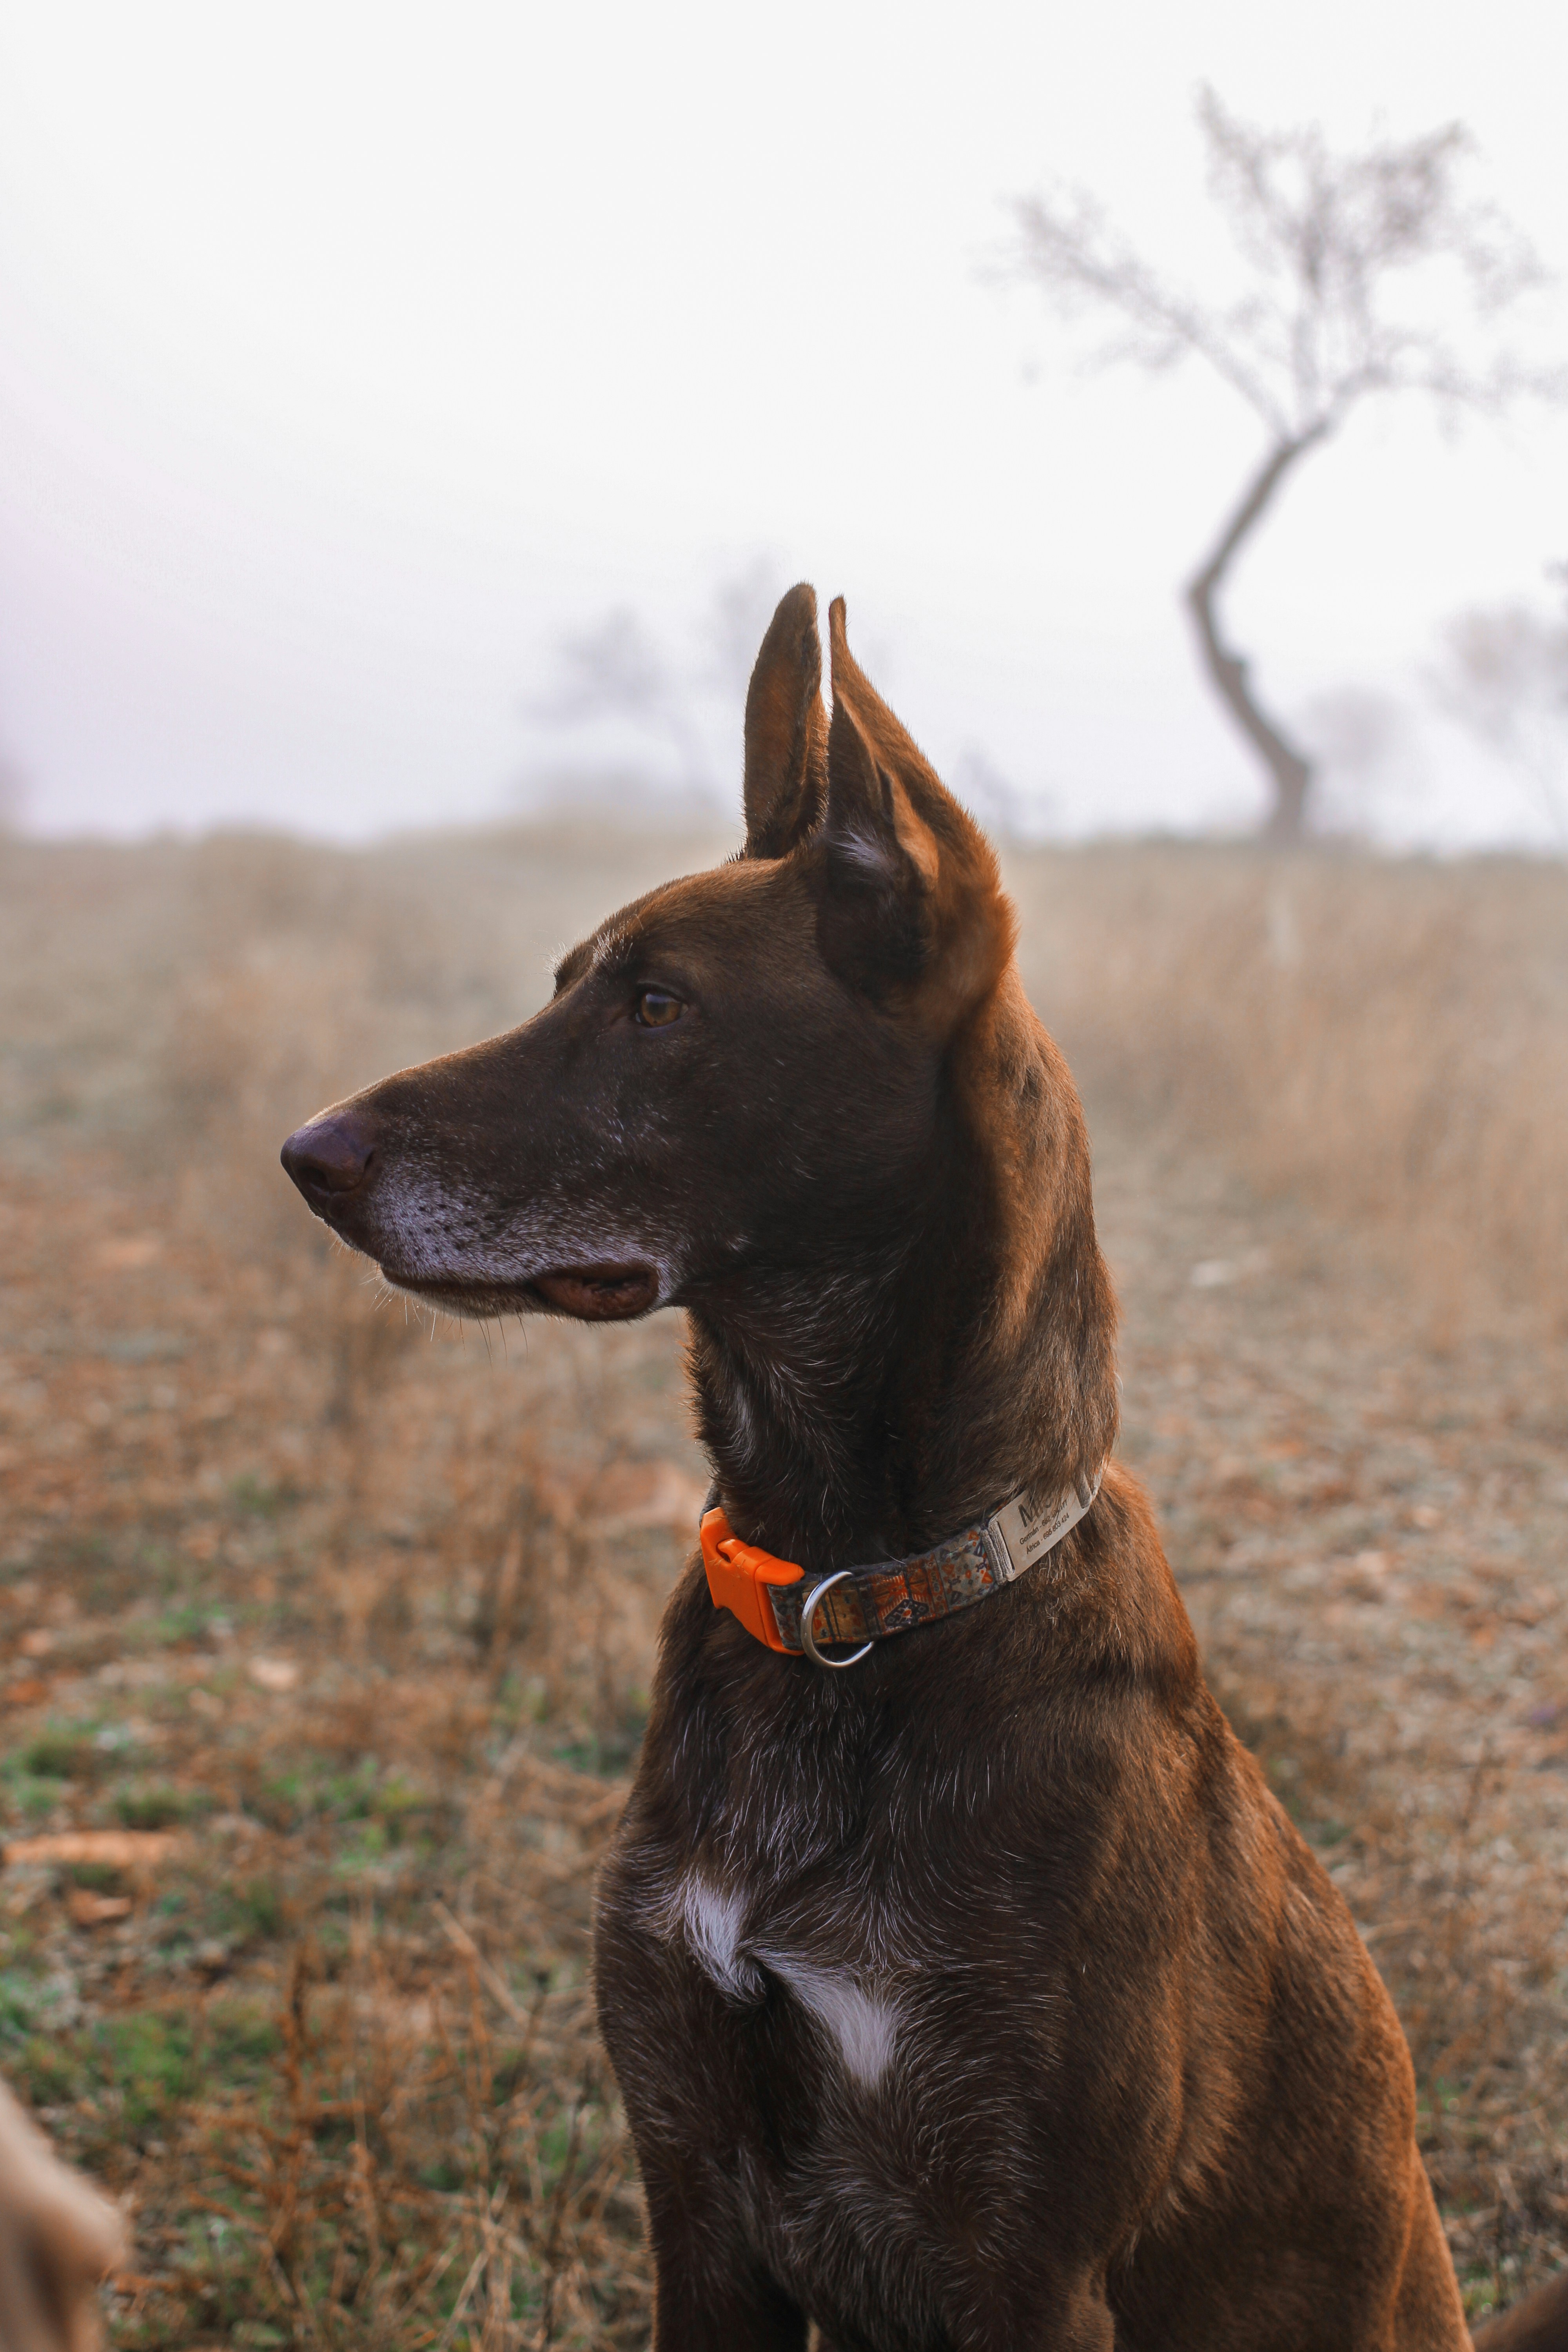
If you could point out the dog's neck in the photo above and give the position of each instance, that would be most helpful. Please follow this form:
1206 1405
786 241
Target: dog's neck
868 1402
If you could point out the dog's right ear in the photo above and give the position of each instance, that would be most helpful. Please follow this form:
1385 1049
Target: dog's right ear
909 897
786 731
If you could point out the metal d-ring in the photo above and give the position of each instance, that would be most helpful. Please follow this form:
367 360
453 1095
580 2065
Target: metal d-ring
809 1610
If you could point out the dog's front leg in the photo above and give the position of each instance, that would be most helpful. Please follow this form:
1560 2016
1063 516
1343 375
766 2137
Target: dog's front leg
1031 2312
709 2296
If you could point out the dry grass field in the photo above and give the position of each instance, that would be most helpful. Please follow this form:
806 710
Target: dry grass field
325 1639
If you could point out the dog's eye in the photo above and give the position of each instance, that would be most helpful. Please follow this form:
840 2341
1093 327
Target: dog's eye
656 1008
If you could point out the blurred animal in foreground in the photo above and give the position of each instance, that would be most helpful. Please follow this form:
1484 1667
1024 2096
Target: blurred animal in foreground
57 2239
966 1984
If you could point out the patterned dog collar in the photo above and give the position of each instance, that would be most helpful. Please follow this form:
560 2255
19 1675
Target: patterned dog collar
779 1605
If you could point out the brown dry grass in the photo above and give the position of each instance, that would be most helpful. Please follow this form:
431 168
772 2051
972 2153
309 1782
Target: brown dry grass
366 1618
1387 1040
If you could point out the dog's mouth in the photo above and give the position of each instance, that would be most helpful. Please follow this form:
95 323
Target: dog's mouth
589 1294
598 1294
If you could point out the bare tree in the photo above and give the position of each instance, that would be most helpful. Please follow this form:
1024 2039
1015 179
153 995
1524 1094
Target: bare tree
1502 672
616 670
1350 262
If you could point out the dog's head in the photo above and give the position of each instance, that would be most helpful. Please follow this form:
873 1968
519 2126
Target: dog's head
739 1069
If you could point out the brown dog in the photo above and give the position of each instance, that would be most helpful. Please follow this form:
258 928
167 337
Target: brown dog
979 1995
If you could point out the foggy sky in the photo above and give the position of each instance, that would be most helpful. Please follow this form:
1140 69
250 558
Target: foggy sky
349 357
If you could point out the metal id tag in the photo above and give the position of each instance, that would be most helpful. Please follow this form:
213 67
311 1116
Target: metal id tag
1031 1525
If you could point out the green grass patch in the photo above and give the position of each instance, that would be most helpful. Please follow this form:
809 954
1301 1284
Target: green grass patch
262 1499
607 1755
148 2062
242 2045
60 1755
158 1805
315 1787
251 1912
31 1799
49 2073
187 1621
98 1877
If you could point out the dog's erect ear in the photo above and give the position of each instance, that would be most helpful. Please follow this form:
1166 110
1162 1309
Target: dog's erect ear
878 863
786 731
909 890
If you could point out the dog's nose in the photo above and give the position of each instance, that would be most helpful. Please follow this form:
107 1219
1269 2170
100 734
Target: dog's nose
329 1158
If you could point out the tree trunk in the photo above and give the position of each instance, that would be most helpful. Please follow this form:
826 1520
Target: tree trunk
1289 774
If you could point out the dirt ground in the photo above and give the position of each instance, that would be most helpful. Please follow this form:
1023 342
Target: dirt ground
333 1638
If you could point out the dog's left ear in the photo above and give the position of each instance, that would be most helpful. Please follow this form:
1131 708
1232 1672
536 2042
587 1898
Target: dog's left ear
786 731
909 895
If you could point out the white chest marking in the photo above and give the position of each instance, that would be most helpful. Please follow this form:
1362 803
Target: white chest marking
712 1923
863 2024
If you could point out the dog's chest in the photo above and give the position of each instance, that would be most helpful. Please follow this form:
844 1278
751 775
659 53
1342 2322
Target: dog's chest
843 1961
839 2012
863 1948
844 2035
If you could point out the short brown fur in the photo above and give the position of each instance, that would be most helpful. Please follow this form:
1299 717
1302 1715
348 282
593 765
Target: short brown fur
981 1995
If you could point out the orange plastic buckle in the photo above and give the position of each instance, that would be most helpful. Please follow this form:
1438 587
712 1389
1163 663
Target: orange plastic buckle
737 1573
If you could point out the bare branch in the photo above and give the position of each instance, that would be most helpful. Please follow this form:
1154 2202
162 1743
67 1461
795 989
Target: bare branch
1350 260
1363 275
1069 245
